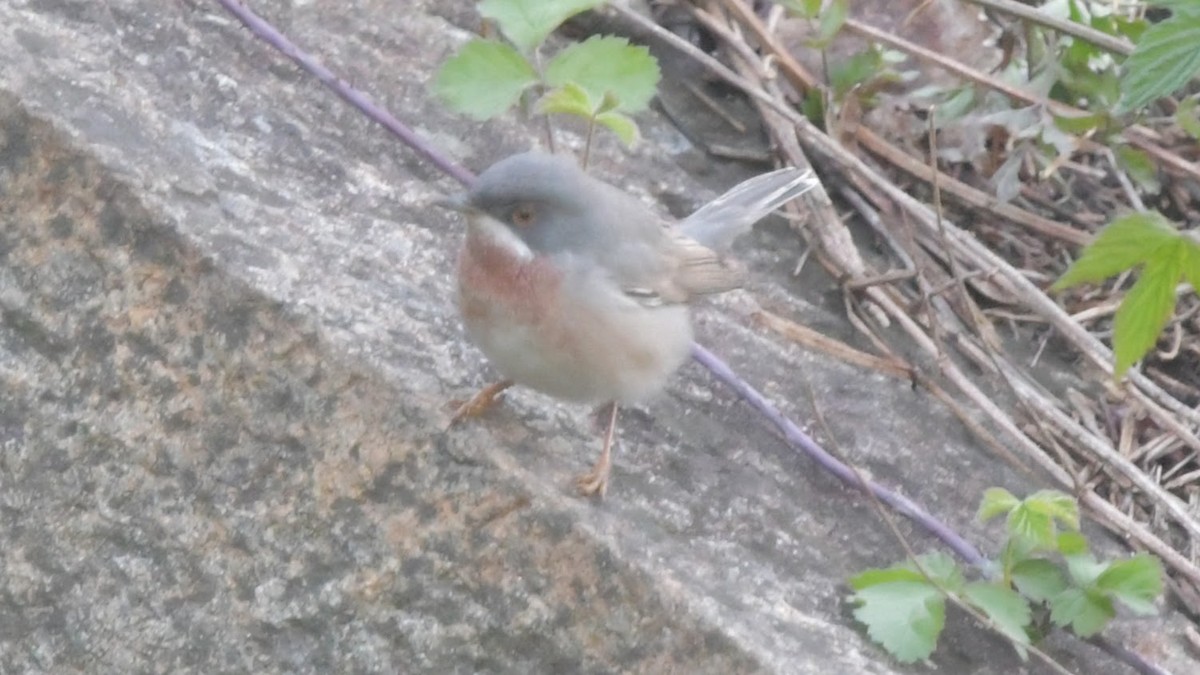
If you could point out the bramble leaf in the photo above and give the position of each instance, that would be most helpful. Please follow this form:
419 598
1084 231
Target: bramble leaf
1147 306
1086 612
1127 241
624 127
1006 609
484 79
905 617
1136 582
1038 579
1058 505
1186 117
526 23
1141 168
569 99
607 65
1164 60
996 501
1072 543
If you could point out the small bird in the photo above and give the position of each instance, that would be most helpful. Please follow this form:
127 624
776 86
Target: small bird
576 289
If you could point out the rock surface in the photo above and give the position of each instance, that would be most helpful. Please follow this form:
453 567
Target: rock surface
227 340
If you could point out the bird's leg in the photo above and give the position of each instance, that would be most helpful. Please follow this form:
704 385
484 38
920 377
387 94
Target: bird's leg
481 402
595 482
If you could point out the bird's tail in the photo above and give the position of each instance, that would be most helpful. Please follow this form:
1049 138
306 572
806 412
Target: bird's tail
719 222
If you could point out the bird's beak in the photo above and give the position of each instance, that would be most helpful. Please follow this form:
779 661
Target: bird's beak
456 202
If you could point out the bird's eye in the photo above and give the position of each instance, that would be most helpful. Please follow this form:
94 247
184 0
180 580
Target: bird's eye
523 215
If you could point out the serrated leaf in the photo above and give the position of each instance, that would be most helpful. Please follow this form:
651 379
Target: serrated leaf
1086 613
621 125
1187 118
1072 543
484 79
1140 167
1038 579
1056 504
1127 241
569 99
1026 523
1147 306
1084 569
905 617
604 64
1136 582
1164 59
996 501
940 567
526 23
1005 608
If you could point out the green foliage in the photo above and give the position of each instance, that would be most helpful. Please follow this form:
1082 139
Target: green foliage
1166 257
1187 118
606 65
1165 58
527 23
600 80
901 609
1045 563
484 79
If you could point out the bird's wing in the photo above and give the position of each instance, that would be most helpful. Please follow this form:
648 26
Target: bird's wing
717 223
682 270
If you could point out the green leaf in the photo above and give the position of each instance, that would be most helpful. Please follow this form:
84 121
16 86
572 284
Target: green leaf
996 501
1086 613
1039 579
1137 582
1140 167
831 21
621 125
1191 260
1084 569
1187 118
857 69
955 106
1164 60
876 576
604 65
484 79
1079 124
526 23
1005 608
608 103
1127 241
1058 505
1072 543
905 617
1147 306
569 99
940 567
1029 524
807 9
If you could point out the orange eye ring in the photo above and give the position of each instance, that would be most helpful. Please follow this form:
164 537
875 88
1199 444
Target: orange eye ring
523 215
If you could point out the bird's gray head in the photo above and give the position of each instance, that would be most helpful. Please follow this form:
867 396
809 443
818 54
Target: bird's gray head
546 200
